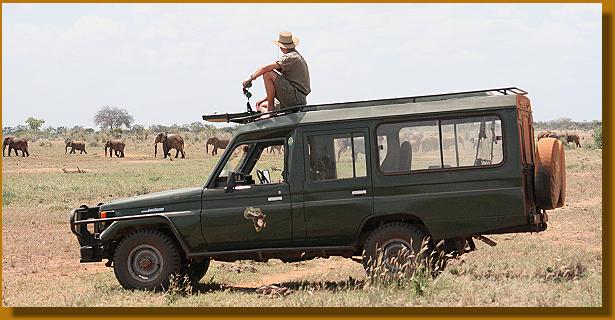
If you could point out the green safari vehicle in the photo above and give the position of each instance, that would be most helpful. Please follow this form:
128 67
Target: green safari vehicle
345 179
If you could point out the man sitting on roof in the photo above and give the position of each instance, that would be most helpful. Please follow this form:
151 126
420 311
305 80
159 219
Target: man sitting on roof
289 88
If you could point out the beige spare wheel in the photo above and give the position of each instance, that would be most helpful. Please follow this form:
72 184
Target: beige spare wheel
548 173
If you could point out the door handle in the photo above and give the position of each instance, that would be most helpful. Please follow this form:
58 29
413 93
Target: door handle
273 199
359 192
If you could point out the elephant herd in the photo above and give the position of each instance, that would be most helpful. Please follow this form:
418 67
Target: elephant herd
115 146
568 137
419 142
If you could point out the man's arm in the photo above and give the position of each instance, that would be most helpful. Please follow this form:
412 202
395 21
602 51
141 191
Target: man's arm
262 70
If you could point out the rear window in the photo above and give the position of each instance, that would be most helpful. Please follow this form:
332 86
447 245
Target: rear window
436 144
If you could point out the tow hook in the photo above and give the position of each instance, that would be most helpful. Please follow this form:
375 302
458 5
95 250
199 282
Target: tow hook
485 240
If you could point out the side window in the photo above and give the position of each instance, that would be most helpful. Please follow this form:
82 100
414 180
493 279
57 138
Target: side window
409 146
236 160
419 146
436 144
255 163
271 163
338 156
468 142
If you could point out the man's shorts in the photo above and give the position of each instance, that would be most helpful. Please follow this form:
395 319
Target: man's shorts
286 94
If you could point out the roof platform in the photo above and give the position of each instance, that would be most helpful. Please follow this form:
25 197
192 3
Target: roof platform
247 117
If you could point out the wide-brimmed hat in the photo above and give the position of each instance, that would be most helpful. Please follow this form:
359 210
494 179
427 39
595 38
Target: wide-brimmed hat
286 40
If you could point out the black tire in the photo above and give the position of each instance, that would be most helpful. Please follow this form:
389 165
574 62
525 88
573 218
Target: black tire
389 239
196 270
145 259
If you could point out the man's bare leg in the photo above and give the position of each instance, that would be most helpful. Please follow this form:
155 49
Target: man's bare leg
267 106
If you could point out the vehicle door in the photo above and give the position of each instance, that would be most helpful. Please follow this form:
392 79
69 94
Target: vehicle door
526 135
338 187
256 212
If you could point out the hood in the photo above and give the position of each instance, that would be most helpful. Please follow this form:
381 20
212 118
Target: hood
156 200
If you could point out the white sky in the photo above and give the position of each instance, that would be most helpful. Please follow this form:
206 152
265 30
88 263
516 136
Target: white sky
171 63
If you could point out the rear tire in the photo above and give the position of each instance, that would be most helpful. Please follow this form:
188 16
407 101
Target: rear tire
548 175
145 259
385 244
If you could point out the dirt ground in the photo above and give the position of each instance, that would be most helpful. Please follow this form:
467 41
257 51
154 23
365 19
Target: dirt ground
40 256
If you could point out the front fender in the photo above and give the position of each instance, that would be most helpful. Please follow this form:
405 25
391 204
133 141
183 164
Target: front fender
118 229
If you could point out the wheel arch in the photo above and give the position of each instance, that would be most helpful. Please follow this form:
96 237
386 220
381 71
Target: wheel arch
373 222
120 229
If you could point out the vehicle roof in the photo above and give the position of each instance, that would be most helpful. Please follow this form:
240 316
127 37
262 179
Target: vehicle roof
374 109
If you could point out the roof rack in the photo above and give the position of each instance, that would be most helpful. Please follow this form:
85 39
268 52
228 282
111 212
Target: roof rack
247 117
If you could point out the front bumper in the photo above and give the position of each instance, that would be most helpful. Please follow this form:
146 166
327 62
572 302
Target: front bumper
91 246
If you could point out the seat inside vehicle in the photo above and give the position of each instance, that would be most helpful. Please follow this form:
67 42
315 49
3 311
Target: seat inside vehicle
405 156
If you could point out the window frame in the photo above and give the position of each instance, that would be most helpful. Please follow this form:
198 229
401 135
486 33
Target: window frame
222 163
439 127
352 133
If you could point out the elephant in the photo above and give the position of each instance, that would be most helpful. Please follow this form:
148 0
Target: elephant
216 143
115 145
7 143
169 141
344 144
75 145
415 141
572 137
430 143
550 134
20 144
448 142
275 148
542 135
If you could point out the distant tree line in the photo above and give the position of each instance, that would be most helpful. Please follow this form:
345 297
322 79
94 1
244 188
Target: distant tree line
112 121
117 122
566 124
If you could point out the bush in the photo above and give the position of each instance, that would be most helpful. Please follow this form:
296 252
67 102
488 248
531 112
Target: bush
7 196
598 137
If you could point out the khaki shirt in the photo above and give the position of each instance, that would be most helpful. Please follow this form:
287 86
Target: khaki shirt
295 70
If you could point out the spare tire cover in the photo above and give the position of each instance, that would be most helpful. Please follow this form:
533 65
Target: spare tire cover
562 160
547 173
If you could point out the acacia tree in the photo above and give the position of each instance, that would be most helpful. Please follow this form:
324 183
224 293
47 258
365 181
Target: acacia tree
34 124
112 118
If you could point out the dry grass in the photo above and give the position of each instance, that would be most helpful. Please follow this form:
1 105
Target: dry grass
559 267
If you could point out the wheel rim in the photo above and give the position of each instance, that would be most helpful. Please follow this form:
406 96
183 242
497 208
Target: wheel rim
395 253
145 263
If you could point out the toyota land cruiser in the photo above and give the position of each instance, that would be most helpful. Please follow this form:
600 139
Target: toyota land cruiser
350 179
